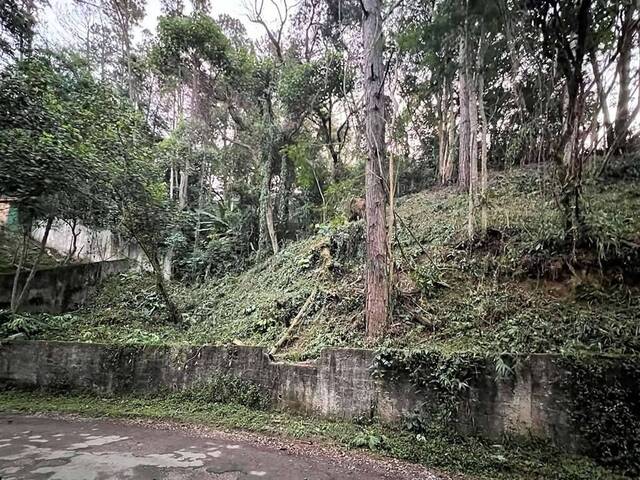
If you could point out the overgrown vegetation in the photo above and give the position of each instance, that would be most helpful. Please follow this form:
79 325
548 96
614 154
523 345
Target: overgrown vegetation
512 459
521 290
604 401
599 393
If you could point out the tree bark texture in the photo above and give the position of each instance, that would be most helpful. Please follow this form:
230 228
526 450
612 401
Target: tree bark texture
483 152
464 153
377 263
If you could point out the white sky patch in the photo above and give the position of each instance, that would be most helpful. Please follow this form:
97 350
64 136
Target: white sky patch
54 19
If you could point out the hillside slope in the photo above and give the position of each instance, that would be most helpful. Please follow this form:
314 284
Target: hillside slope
524 288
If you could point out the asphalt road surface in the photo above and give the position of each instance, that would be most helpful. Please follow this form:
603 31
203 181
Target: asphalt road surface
70 448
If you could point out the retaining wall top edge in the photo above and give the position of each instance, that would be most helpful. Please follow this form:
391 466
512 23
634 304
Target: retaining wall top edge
323 353
71 266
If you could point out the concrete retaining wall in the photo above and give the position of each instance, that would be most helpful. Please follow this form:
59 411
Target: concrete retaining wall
60 289
338 384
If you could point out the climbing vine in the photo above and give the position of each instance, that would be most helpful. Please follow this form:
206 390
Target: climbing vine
443 380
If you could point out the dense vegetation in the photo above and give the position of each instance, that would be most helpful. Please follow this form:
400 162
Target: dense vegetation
513 292
213 150
452 176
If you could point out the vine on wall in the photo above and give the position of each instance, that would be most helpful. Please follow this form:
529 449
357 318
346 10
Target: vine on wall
444 380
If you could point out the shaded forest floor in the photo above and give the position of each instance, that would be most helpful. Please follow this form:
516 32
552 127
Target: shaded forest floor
523 288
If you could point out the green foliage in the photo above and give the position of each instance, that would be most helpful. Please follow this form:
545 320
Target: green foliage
50 133
309 85
604 401
339 194
370 440
12 324
601 395
442 379
11 241
185 44
224 389
429 278
17 22
491 302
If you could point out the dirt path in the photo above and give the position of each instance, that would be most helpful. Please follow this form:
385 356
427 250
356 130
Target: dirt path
72 448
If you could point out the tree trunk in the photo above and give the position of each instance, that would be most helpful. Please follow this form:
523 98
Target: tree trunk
572 158
623 68
183 188
16 277
266 227
174 313
515 63
196 242
483 136
464 154
377 303
483 154
27 284
445 169
287 174
602 98
451 144
473 152
327 134
271 229
73 247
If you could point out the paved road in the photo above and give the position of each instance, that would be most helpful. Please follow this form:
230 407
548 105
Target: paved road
67 448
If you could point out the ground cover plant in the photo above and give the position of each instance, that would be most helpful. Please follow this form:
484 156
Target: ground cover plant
514 459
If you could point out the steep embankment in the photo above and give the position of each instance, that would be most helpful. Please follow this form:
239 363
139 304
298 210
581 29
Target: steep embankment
524 288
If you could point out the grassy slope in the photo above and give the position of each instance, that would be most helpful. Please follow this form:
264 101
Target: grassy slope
510 460
518 291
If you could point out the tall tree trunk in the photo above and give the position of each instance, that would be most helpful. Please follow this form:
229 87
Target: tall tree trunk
483 135
327 133
266 227
201 192
130 87
473 151
514 56
271 229
287 174
377 303
570 196
451 143
73 246
624 79
483 153
464 154
445 169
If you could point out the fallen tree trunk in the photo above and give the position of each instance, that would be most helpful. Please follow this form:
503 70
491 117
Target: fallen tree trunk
294 324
